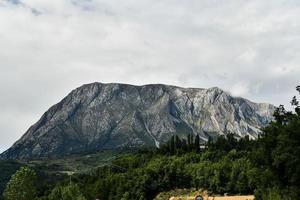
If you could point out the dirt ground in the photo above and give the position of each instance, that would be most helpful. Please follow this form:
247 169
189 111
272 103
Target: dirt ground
249 197
191 193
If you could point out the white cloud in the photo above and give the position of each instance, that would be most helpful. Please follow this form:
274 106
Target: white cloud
47 48
240 89
248 56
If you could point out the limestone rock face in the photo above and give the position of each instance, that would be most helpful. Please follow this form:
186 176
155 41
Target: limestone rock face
107 116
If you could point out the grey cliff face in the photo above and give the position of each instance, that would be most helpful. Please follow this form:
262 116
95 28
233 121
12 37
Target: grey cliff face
106 116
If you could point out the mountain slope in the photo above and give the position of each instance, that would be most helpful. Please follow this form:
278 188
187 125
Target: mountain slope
107 116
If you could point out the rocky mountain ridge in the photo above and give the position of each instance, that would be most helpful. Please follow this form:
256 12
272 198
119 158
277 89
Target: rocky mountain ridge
107 116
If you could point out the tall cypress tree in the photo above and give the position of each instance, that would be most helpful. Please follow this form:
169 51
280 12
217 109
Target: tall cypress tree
172 145
197 143
177 144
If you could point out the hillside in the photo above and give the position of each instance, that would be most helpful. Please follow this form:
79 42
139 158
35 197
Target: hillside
51 171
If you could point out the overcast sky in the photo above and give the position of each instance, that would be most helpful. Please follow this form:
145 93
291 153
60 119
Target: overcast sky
49 47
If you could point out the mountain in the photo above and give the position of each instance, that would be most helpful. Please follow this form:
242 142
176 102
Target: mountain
100 116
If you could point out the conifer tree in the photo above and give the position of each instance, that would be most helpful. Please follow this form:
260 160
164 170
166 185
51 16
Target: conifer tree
197 143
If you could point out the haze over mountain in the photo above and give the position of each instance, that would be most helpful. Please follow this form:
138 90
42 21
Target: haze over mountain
107 116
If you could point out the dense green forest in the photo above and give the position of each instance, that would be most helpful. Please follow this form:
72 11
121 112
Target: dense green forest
268 167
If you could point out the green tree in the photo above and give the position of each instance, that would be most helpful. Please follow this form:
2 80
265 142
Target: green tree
272 194
22 185
278 151
69 192
197 143
172 145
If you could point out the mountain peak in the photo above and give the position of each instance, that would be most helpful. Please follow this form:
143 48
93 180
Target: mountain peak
99 116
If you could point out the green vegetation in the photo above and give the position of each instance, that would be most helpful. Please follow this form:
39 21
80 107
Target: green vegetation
69 192
53 171
192 192
7 169
22 185
75 163
268 167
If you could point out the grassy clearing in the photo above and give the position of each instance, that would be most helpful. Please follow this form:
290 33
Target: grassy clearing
75 163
